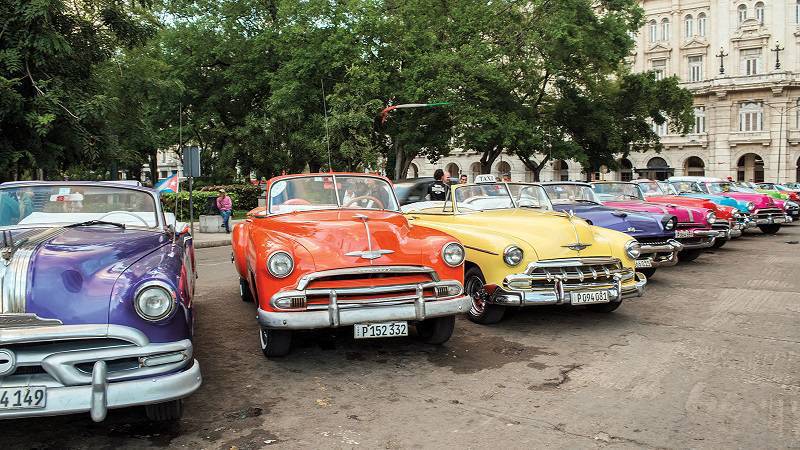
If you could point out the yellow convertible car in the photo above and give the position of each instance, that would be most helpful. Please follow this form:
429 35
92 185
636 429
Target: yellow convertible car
519 252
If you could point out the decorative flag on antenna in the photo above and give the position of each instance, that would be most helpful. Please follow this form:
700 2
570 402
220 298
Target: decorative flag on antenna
169 184
387 110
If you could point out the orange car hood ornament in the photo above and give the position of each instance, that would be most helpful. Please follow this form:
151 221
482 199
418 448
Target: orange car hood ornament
369 254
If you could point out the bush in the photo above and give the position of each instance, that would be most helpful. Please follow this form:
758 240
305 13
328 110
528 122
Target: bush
243 197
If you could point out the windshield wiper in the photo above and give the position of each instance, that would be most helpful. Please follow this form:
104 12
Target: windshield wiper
89 223
582 200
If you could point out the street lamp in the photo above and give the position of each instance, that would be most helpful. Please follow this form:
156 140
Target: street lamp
783 111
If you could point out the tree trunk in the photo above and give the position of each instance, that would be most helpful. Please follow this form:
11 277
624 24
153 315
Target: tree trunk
152 160
401 163
535 167
489 157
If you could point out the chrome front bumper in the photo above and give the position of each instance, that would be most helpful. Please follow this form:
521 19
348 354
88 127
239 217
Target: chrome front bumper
771 220
562 295
650 252
699 239
74 390
335 315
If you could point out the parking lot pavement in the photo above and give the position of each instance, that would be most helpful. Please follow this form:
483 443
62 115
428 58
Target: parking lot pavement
707 359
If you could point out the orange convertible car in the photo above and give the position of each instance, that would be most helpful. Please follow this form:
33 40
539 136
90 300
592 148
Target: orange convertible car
333 250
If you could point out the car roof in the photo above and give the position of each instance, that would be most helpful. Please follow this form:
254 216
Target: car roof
116 184
696 178
327 174
576 183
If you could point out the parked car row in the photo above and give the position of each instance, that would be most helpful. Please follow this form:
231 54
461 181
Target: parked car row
97 280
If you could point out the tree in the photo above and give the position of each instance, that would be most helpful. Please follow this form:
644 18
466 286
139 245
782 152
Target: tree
52 113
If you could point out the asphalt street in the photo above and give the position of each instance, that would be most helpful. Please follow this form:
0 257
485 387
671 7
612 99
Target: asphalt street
709 358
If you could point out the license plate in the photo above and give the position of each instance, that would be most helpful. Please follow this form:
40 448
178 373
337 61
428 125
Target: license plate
684 233
24 397
644 263
379 330
584 298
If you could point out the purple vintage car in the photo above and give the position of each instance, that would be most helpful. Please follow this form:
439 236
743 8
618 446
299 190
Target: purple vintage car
96 309
654 231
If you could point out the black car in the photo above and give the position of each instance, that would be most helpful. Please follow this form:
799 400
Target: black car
412 190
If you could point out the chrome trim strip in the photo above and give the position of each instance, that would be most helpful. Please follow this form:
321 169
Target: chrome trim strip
26 320
481 250
70 332
305 280
14 275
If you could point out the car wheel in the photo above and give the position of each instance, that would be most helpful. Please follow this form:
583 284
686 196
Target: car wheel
647 272
770 229
164 412
275 343
689 255
481 311
604 307
244 291
436 331
718 243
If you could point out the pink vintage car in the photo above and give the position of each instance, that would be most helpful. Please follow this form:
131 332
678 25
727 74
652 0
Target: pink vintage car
694 228
767 213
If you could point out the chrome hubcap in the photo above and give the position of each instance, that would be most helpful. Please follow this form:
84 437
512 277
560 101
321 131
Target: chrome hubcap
263 338
474 287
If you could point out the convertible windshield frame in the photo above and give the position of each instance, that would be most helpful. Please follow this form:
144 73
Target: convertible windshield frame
581 186
335 179
640 197
157 208
454 207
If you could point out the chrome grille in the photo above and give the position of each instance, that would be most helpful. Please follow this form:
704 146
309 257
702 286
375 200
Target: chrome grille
767 212
573 272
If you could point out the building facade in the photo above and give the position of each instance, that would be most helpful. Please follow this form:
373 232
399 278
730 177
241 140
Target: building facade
741 60
168 163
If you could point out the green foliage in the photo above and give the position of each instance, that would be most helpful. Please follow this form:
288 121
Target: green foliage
245 195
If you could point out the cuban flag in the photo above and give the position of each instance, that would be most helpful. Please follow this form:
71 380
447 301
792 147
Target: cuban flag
169 184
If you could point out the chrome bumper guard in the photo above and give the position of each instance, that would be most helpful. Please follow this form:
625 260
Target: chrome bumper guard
338 313
174 374
626 283
771 220
649 252
706 239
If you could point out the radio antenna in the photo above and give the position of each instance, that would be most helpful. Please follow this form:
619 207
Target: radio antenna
327 135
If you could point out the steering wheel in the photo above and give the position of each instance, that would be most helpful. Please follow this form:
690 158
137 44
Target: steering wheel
127 213
365 197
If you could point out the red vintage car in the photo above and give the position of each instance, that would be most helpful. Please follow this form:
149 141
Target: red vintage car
729 223
333 250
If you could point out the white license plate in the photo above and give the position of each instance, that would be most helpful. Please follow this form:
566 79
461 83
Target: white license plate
23 397
644 263
379 330
684 233
585 298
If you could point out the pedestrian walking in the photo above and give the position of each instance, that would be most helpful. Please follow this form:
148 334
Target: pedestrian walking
225 206
437 191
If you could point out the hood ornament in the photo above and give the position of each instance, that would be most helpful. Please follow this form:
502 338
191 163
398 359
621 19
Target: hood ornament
368 254
578 246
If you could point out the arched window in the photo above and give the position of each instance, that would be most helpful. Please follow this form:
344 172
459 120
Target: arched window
702 24
413 169
453 170
664 29
560 170
475 170
760 12
653 30
503 170
688 26
694 167
750 168
625 170
742 13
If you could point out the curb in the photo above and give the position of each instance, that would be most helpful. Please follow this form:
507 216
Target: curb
214 243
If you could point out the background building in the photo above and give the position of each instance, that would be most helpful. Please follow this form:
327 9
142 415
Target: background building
168 163
747 117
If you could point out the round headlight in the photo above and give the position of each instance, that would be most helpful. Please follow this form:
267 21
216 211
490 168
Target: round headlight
669 225
280 264
154 302
633 249
711 217
736 215
453 254
751 206
513 255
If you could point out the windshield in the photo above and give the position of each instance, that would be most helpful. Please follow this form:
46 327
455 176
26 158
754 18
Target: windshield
489 196
617 191
650 188
667 188
321 192
561 194
686 187
68 204
725 187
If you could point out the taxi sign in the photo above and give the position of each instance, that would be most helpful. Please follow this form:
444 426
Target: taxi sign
485 178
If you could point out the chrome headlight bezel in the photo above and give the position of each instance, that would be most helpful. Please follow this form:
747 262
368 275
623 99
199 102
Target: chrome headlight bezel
711 217
670 224
155 287
633 249
513 255
450 246
273 258
751 206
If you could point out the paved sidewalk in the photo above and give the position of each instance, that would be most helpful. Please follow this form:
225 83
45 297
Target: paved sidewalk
207 240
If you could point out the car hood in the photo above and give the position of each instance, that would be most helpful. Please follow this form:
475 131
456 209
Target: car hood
633 223
720 200
72 271
338 239
685 214
761 200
